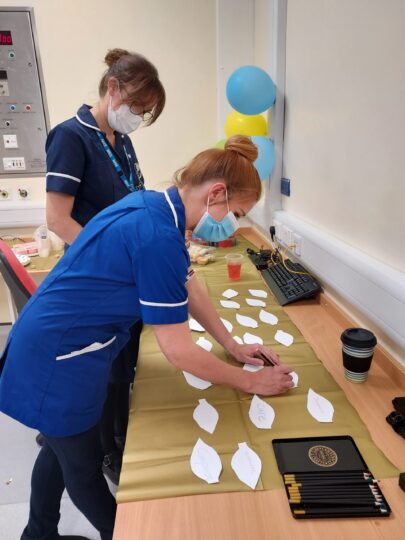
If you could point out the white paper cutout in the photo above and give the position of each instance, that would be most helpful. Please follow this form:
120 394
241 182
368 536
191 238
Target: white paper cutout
294 376
284 338
319 407
267 317
205 462
196 382
255 302
251 339
246 321
238 340
252 368
196 326
261 413
230 293
227 324
247 465
204 343
258 292
206 416
230 304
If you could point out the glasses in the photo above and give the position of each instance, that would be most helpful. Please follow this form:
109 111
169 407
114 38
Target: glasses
147 116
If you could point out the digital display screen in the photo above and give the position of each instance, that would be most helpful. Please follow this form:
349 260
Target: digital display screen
5 37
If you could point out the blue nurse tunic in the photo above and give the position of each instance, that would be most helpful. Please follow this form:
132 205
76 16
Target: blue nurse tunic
78 165
130 262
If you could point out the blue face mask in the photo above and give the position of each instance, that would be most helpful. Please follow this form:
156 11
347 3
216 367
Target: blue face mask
214 231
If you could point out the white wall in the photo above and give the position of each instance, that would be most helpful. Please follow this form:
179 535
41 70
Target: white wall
178 36
345 118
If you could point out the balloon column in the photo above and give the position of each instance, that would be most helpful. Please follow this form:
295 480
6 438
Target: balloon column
251 91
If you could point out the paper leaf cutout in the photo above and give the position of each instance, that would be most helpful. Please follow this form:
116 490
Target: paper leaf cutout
229 304
196 382
258 292
250 339
205 462
206 416
261 413
267 317
196 326
319 407
284 338
227 325
238 340
246 321
247 465
204 343
252 368
255 302
230 293
294 376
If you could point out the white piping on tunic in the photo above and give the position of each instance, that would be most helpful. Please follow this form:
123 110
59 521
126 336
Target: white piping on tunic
158 304
50 173
91 348
169 202
87 125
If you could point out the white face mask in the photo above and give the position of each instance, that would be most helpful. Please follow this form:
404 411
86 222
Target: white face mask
123 120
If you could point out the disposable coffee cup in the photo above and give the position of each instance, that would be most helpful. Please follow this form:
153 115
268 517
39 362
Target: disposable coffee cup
357 349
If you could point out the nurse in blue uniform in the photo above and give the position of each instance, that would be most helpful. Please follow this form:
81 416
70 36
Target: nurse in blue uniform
91 164
130 262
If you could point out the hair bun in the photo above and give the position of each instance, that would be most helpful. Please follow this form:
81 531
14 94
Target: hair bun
113 55
243 146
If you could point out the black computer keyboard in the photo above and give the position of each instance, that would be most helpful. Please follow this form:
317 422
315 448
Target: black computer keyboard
288 287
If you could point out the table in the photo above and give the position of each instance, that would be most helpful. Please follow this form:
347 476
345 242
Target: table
38 268
260 515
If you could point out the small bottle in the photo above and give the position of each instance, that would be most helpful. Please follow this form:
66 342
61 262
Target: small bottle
44 243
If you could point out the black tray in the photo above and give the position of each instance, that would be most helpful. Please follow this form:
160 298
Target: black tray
322 455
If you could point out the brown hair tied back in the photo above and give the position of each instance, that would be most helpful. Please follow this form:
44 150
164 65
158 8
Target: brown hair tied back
138 76
233 165
243 146
113 55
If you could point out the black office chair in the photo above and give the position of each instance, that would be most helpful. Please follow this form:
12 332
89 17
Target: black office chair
19 282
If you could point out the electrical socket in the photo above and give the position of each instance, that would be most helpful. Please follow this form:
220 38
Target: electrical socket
23 193
297 240
5 194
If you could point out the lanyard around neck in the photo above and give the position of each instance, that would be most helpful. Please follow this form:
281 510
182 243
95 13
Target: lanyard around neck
129 182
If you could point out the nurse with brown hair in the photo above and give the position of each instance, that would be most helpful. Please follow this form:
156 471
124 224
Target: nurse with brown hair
91 164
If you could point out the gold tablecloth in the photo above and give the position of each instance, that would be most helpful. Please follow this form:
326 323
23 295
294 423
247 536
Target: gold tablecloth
162 432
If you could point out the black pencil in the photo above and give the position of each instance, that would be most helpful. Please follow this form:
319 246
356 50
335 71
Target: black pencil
335 503
360 496
331 482
333 489
341 511
336 474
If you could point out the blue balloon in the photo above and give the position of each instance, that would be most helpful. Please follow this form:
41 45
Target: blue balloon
250 90
267 156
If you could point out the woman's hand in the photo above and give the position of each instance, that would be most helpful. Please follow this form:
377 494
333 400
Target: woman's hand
255 354
270 381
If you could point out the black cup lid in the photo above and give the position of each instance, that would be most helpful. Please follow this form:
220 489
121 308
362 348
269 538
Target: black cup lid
358 337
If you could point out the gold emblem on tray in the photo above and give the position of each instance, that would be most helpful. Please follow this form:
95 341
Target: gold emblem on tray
322 456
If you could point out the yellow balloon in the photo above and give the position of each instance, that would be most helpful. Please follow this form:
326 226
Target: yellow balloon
243 124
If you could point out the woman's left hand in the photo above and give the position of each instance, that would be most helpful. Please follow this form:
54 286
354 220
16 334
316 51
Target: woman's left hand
255 354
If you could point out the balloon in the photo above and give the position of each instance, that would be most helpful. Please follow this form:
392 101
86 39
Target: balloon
220 144
241 124
265 160
250 90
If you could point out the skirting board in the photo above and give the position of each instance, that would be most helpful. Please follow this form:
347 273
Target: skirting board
26 214
369 290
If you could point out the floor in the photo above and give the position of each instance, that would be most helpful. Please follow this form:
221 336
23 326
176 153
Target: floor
18 451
